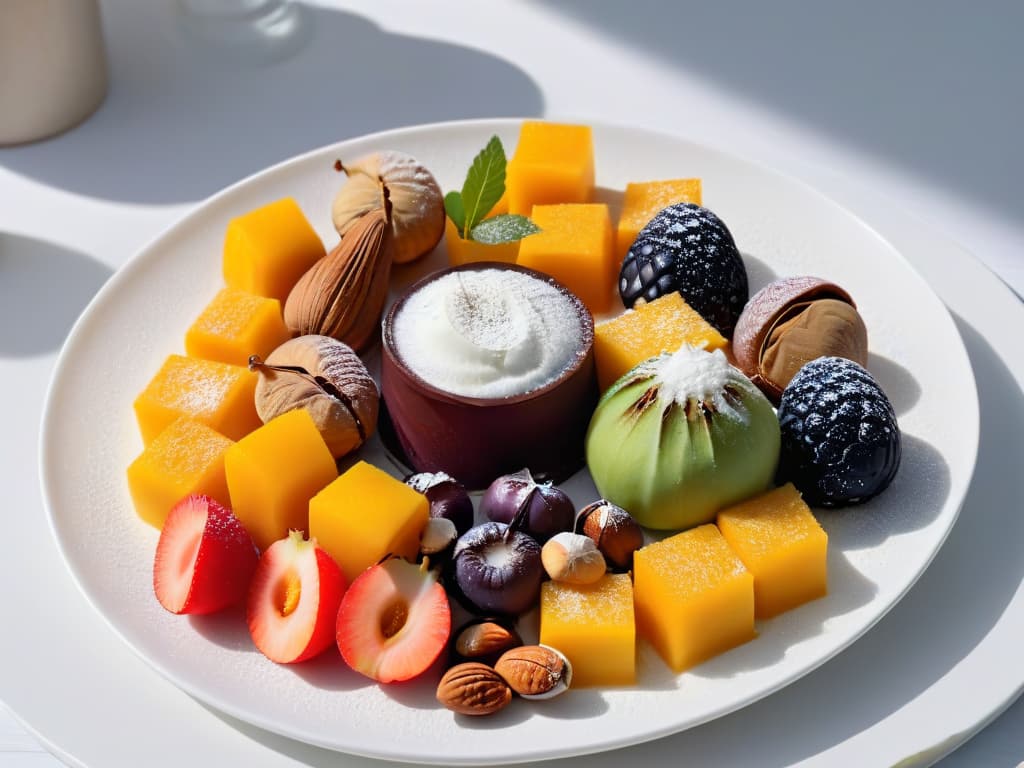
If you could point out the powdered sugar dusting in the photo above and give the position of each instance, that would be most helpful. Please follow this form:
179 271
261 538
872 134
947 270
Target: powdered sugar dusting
694 374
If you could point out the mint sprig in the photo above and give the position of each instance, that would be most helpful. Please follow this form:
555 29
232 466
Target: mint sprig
482 189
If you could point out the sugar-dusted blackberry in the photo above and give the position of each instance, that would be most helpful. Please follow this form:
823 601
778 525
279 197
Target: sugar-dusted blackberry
687 248
840 439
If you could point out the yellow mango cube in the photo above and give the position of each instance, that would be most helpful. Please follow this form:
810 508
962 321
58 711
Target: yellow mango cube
267 250
462 251
781 543
186 458
574 246
366 514
593 625
235 325
647 330
644 200
220 395
553 163
694 598
273 472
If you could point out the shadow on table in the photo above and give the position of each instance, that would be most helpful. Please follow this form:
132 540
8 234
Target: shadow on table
182 120
43 289
928 88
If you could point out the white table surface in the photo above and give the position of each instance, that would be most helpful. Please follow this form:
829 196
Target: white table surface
908 107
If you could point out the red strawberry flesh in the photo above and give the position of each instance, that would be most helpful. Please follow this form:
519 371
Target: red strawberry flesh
204 558
394 621
294 599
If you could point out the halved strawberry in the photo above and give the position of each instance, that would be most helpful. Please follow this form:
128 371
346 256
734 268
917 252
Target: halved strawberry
204 558
293 600
394 621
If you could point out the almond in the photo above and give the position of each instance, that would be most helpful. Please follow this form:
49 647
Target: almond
535 671
473 689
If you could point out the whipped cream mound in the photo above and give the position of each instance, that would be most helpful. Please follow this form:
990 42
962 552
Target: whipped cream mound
488 333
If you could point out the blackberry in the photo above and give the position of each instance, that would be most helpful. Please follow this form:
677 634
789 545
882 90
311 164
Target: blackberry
688 249
840 439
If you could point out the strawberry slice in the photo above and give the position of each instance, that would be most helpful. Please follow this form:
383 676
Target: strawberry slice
394 621
204 558
294 599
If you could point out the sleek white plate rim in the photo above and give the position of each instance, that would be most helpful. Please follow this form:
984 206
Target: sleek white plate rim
141 261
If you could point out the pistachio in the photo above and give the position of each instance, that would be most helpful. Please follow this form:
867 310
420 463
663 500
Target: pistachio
535 671
573 558
473 688
614 531
484 640
792 321
327 379
343 294
417 205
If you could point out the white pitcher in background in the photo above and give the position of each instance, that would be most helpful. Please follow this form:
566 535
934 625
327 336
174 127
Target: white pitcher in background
53 67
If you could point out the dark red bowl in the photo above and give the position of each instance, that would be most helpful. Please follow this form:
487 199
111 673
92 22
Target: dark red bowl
476 439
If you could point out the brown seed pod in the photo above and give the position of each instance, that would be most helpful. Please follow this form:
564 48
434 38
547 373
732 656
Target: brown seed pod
614 531
417 205
327 379
343 294
483 640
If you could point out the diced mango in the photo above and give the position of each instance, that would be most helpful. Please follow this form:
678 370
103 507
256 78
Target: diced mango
462 251
781 543
694 598
574 246
186 458
273 472
218 394
647 330
594 627
553 163
267 250
642 202
235 325
366 514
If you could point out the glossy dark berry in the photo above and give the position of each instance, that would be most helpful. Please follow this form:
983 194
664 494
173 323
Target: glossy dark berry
687 248
840 439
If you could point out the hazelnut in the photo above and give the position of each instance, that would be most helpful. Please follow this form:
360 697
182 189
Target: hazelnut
572 558
614 531
792 321
473 689
535 671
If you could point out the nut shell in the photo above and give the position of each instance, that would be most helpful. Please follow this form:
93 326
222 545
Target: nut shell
330 382
614 531
484 640
417 205
792 321
473 688
535 671
572 558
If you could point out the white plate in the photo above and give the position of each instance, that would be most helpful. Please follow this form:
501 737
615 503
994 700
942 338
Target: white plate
782 227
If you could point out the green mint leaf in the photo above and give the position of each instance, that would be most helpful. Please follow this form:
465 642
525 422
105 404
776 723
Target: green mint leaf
485 182
506 228
456 211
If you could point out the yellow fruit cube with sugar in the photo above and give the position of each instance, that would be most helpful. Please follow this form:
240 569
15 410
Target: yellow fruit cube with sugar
643 200
366 514
220 395
694 598
647 330
574 246
273 472
553 163
781 543
186 458
593 625
235 325
267 250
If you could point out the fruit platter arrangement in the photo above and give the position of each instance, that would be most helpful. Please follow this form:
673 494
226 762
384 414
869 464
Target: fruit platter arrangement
509 443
